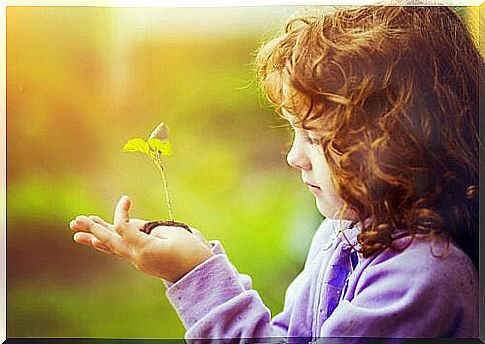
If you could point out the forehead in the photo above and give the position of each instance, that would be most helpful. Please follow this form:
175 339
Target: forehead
291 118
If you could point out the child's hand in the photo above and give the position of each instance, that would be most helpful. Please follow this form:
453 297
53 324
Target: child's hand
168 252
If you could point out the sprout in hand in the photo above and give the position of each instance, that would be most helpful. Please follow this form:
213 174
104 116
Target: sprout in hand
156 147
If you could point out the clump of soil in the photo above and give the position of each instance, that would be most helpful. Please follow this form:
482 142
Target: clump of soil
147 227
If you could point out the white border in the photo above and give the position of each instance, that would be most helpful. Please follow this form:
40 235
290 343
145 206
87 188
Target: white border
214 3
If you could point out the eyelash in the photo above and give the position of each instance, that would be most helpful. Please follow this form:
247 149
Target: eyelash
311 140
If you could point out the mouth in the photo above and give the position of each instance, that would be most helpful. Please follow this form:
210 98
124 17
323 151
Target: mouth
313 188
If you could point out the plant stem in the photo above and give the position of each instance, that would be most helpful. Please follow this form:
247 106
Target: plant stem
158 162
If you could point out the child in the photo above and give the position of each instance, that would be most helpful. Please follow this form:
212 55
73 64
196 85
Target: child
384 106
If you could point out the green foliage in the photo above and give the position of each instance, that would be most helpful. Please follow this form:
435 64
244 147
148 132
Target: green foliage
156 146
162 147
150 148
137 145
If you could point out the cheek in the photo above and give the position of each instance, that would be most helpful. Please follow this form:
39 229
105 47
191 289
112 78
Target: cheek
329 203
332 199
322 174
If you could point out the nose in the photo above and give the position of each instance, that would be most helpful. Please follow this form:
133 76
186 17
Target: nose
297 158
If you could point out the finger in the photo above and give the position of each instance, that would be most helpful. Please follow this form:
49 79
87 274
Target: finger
107 237
102 222
101 232
78 226
88 239
83 238
103 248
130 234
122 210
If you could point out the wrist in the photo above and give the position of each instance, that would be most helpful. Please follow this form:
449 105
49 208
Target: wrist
195 272
194 263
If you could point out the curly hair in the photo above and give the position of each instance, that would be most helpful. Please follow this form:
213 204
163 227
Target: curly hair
393 93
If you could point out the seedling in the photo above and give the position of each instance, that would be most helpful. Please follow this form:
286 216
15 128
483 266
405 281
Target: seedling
156 147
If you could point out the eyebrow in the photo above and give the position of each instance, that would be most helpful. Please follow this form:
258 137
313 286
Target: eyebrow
287 113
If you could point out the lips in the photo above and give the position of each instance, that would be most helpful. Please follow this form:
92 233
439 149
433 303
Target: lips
314 188
311 184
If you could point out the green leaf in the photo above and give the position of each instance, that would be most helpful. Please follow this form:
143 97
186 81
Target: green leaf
164 147
136 145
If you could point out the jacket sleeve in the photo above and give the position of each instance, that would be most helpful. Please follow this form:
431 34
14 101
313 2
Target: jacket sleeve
212 302
215 301
217 248
411 294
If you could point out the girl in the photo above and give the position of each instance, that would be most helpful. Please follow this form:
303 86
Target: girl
384 106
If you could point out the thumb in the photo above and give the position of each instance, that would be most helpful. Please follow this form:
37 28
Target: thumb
122 210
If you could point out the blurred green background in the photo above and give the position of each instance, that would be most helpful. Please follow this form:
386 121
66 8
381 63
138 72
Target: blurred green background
81 81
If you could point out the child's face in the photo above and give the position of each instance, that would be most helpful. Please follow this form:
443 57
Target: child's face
306 154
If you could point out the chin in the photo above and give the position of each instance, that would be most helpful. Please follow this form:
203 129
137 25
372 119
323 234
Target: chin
328 212
331 211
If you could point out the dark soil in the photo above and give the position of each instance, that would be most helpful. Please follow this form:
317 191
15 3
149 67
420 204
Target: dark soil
147 227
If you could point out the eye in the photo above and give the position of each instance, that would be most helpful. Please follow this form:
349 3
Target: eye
312 140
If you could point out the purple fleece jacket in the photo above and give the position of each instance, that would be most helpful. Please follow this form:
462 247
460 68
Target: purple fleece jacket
400 294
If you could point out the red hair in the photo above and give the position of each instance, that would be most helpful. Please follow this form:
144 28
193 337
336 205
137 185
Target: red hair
393 94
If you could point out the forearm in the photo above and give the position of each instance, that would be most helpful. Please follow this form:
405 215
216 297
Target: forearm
212 302
217 248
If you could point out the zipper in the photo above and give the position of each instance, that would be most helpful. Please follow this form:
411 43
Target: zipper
354 261
345 287
316 305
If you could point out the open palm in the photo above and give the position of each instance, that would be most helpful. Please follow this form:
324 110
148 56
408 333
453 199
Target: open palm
168 252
